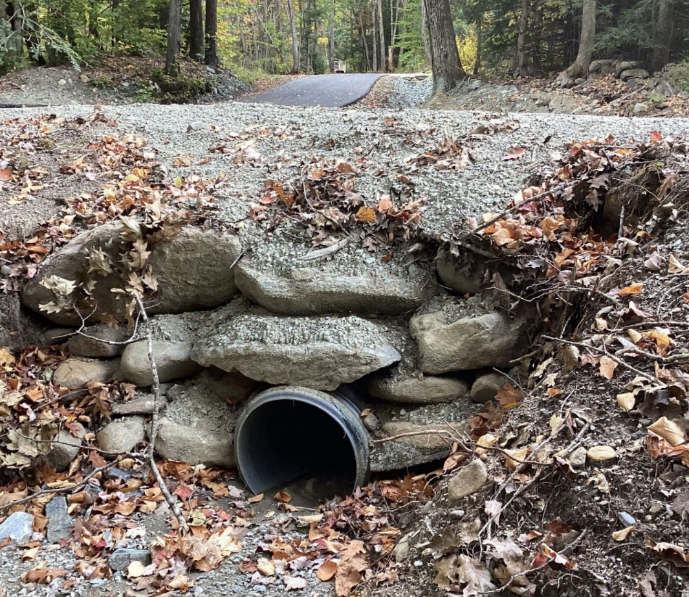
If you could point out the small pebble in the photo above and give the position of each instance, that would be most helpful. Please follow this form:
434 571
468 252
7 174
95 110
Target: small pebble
626 519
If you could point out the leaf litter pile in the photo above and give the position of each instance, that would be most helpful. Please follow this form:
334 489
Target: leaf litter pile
586 449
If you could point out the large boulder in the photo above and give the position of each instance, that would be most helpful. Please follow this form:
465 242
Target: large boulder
624 65
308 291
172 360
194 445
315 352
634 73
417 389
98 341
477 340
601 67
76 373
194 271
72 263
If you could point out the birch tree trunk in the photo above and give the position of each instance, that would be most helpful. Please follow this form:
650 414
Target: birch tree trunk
174 35
447 69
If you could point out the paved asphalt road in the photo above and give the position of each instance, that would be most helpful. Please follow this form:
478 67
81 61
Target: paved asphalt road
328 91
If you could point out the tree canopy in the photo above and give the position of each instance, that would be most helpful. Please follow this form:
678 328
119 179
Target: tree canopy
494 37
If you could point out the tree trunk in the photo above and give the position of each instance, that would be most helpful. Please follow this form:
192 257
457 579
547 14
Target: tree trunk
580 67
196 44
381 39
521 39
211 57
479 44
424 32
663 30
447 69
394 17
4 23
374 43
295 38
331 38
174 35
363 37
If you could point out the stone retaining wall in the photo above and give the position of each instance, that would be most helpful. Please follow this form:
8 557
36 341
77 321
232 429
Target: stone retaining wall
228 325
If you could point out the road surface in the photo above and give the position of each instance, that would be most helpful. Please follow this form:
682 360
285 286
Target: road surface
328 91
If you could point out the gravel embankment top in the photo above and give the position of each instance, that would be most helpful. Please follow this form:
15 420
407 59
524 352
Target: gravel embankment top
276 141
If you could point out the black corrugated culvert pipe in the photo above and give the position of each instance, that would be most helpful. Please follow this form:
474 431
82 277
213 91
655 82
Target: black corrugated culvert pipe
288 433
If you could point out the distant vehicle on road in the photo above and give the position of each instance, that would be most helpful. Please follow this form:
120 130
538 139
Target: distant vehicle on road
339 66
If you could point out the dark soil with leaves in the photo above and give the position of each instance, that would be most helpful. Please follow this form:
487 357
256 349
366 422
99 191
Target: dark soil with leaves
119 80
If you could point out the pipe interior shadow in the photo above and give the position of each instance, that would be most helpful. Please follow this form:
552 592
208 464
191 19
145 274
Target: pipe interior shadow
290 441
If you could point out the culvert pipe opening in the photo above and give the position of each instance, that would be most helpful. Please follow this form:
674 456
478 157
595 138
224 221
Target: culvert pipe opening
290 434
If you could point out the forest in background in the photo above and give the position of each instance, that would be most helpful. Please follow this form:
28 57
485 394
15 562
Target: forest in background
495 37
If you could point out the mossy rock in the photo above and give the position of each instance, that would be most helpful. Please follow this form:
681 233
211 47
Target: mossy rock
184 87
678 74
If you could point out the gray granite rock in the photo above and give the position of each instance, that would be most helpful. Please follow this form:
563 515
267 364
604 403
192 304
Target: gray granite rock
95 342
60 524
121 558
473 342
422 389
193 270
308 291
120 436
65 448
315 352
18 527
467 480
487 386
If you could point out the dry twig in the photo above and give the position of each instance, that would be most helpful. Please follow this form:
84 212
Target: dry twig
172 503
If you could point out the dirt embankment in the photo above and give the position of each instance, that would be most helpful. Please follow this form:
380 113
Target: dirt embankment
118 80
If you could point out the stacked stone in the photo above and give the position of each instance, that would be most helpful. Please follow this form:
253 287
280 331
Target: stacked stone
227 325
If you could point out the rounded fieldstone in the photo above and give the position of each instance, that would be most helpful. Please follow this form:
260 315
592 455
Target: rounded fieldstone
487 386
467 480
75 373
601 455
120 436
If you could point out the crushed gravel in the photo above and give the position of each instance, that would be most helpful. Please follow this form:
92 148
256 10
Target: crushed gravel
410 90
379 142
